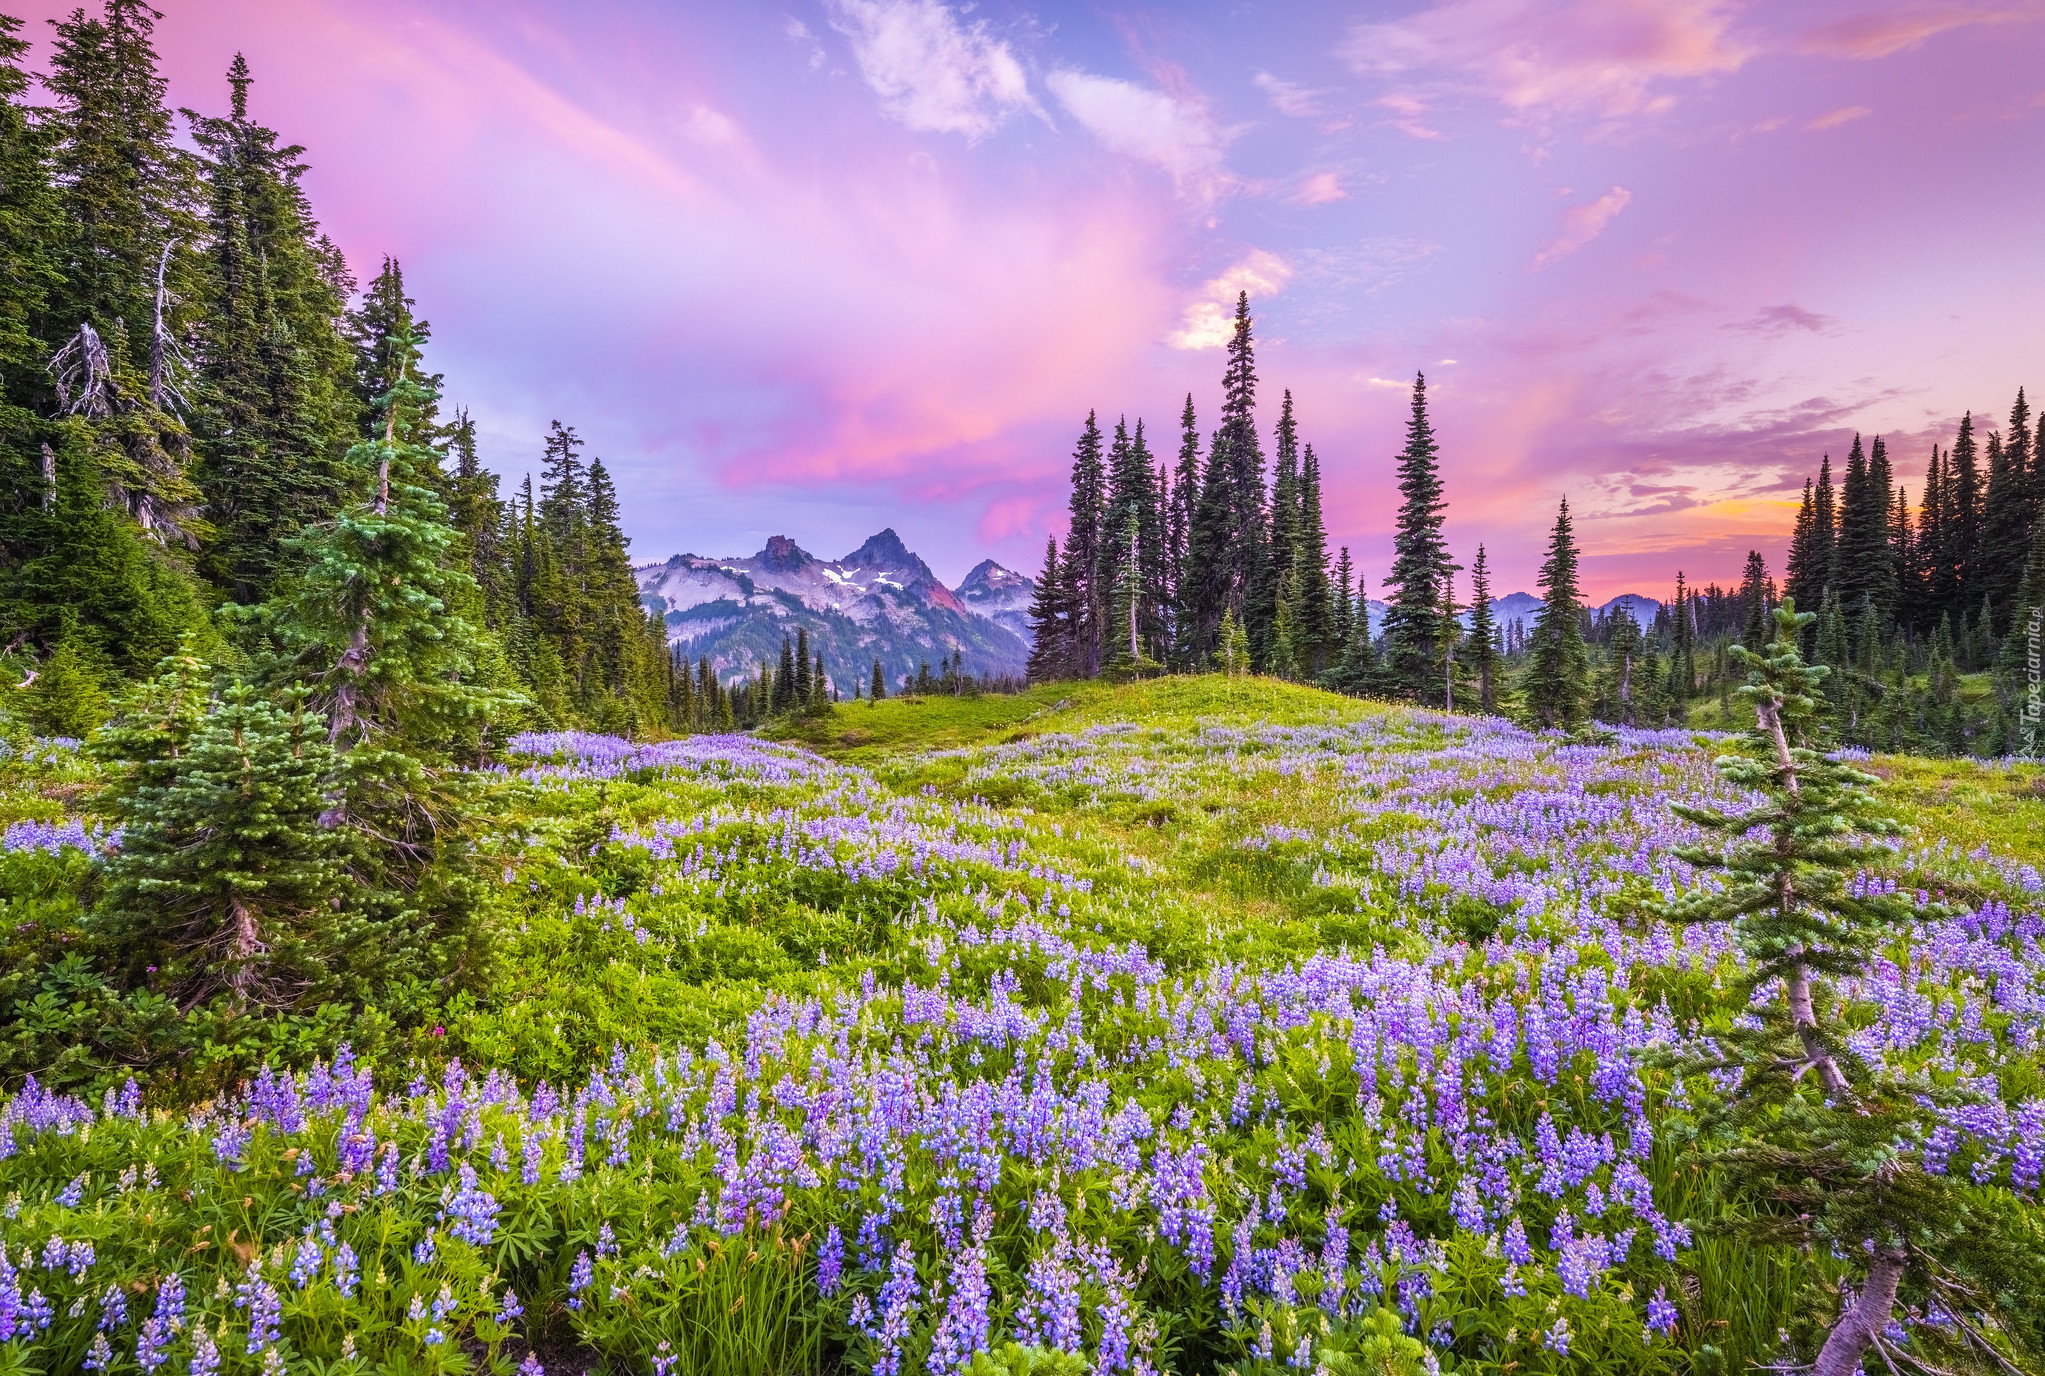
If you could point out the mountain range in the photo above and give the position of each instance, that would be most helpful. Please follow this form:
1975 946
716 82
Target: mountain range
882 602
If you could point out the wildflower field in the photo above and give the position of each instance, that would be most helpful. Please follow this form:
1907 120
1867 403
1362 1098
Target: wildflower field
1186 1026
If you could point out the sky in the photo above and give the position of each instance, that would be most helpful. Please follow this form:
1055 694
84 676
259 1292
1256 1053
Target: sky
823 266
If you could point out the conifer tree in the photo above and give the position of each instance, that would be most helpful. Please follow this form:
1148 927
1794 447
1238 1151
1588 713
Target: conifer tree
1682 647
1356 672
1275 584
1316 613
1050 643
1085 542
1185 498
2007 515
1342 610
277 410
225 875
389 341
1755 598
129 190
1819 1147
879 690
1629 668
1481 651
1960 556
1227 547
1420 564
31 231
1557 686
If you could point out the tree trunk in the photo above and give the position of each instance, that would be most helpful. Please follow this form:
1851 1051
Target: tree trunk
248 944
1804 1016
1858 1326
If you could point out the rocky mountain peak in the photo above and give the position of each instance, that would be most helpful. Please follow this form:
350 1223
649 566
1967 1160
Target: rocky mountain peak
783 555
885 551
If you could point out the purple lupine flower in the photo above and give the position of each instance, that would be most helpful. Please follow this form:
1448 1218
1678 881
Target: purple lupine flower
205 1353
472 1209
72 1193
1556 1339
509 1308
150 1344
581 1277
113 1307
344 1271
830 1262
1661 1315
265 1308
1514 1244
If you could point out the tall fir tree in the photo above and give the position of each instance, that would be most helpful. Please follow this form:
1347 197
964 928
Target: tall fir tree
2007 517
389 340
1421 568
1757 602
130 193
1185 500
276 410
1960 557
1480 646
1050 643
1085 546
1275 580
1316 609
1227 542
1557 683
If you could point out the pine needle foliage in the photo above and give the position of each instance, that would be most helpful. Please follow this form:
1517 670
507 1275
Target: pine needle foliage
1818 1146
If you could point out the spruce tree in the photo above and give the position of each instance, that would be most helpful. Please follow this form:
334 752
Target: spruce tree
1227 545
879 690
1050 645
1755 600
2007 517
1085 542
1420 565
389 341
1275 583
1960 558
1820 1148
1185 499
1342 610
1557 686
129 190
277 411
1481 652
31 233
1682 646
1316 611
225 879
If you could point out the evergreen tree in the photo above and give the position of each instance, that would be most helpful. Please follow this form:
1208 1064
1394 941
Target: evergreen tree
1756 600
1185 499
1227 545
1960 555
1050 643
2007 515
1818 1147
1557 686
1342 610
1481 651
129 191
879 690
1682 646
1629 669
1316 612
389 341
31 237
276 411
1275 580
1132 497
1420 564
225 879
1906 558
1085 544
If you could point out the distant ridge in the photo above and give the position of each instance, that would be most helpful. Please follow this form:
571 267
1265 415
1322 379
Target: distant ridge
881 601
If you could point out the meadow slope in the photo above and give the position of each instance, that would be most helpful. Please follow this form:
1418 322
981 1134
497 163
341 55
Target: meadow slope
1184 1025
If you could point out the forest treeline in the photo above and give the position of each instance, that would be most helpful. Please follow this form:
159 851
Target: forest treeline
187 372
1218 558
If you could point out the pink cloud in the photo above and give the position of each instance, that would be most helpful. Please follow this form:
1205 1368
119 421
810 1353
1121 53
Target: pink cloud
1581 224
1547 57
1321 189
1845 114
1882 32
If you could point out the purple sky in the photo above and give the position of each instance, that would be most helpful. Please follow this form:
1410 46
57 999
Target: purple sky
822 267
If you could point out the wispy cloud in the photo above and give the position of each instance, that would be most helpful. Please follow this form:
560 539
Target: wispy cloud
1882 31
1407 110
1778 319
932 73
1289 98
1581 224
1173 132
1320 189
1209 322
1544 58
1845 114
